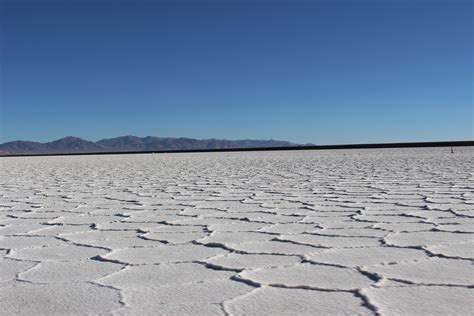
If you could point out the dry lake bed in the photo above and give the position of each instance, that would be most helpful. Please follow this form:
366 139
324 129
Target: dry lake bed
356 232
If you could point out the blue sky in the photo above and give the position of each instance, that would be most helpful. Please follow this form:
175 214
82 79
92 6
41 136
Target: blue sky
324 72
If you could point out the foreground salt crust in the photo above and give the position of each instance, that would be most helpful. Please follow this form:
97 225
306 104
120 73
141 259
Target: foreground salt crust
360 232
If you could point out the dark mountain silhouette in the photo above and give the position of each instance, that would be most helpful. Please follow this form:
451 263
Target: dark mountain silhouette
64 145
169 143
131 143
72 144
21 147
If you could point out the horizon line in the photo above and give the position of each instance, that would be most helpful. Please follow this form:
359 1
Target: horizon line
462 143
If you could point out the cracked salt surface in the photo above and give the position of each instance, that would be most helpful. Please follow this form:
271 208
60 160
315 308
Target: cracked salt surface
360 232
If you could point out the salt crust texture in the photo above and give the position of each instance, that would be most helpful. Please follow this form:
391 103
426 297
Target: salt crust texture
360 232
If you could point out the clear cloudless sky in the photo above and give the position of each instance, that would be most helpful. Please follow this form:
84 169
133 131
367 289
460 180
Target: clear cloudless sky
324 72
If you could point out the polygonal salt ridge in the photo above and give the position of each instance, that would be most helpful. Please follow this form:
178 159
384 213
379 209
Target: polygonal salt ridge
214 213
431 271
405 227
389 218
75 271
282 204
17 214
350 200
194 196
400 200
304 211
175 238
381 206
351 232
162 254
395 212
337 214
461 228
343 223
94 206
163 275
244 198
461 207
187 199
203 212
64 252
383 283
69 298
308 276
122 197
235 237
238 226
229 205
59 229
239 208
290 228
155 218
462 250
126 211
176 228
331 205
14 221
421 300
412 204
391 193
150 193
263 217
358 189
334 208
330 241
464 213
274 247
452 220
431 214
423 239
24 241
365 256
10 268
87 219
320 220
443 199
199 221
262 197
45 216
123 225
282 301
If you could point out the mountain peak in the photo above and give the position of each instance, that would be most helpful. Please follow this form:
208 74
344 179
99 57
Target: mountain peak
69 139
72 144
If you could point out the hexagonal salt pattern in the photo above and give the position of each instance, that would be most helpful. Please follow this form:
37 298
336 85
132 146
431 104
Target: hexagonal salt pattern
359 232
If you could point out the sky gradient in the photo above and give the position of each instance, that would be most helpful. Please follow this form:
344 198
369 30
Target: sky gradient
325 72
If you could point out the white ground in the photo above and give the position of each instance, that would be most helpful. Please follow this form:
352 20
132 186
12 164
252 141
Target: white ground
388 232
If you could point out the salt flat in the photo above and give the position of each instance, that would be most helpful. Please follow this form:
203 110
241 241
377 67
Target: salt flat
357 232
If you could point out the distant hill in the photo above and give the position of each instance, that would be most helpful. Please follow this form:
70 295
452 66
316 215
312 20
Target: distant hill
130 143
169 143
63 145
72 144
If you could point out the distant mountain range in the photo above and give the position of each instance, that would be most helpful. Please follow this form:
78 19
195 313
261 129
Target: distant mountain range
130 143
